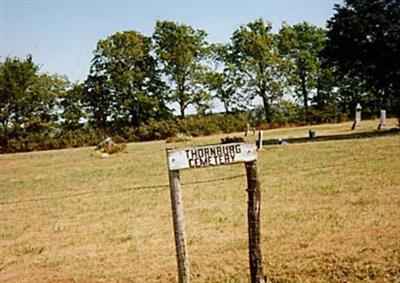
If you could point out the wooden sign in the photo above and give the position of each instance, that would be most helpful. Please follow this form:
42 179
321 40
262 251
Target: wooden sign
214 155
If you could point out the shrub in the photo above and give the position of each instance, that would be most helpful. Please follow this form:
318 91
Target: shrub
231 139
110 147
179 138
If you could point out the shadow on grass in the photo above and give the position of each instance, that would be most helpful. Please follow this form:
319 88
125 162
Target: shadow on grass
373 134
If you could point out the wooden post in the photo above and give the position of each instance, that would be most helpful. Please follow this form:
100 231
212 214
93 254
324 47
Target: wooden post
253 218
179 227
260 140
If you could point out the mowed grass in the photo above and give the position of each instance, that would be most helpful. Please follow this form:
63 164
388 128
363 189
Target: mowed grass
330 213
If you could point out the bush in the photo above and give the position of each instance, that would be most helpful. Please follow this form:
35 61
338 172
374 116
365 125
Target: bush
110 147
213 124
179 138
12 140
231 140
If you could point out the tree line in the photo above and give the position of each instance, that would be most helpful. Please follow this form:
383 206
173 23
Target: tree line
300 74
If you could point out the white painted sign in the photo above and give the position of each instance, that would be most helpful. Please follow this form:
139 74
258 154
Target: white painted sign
214 155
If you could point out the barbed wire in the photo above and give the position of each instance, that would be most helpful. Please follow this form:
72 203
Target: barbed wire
262 168
214 180
112 192
85 159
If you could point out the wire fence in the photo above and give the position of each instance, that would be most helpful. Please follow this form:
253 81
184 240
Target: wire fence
82 159
263 170
112 192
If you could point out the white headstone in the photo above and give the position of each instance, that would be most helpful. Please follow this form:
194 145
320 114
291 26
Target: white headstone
357 121
382 120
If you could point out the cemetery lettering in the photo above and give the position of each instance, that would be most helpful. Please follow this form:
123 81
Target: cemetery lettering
213 156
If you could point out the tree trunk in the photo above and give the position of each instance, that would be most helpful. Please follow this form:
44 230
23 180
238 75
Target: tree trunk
226 106
267 107
304 92
304 95
182 107
397 103
182 102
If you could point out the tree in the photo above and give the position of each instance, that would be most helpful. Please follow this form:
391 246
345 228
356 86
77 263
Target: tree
17 78
364 43
301 45
125 80
71 105
180 49
254 53
224 80
326 98
27 98
97 99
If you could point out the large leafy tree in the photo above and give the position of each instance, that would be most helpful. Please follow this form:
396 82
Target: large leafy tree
223 79
18 77
255 55
180 49
124 85
28 99
72 111
301 45
98 99
364 43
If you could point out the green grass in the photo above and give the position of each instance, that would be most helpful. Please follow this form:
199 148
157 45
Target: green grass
330 213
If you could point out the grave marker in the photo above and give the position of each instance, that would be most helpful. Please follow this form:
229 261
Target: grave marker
382 120
260 139
357 121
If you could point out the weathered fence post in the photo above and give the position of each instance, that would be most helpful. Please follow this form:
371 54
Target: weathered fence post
357 121
260 140
253 218
382 119
179 227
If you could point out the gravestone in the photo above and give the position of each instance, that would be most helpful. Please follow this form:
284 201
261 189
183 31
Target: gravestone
260 140
311 134
357 121
248 129
382 120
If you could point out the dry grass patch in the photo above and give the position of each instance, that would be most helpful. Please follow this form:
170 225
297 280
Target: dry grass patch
330 213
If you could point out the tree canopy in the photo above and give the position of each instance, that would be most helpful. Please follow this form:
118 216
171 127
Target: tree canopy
302 74
364 44
301 45
27 98
255 54
125 79
180 48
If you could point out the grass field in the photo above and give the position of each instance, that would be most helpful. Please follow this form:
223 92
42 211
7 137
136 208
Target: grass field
330 213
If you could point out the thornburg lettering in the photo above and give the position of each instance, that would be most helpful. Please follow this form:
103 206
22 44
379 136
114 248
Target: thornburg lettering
203 157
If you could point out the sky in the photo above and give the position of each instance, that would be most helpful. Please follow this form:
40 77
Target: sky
61 35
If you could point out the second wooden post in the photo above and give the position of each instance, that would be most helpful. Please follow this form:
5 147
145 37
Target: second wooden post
253 218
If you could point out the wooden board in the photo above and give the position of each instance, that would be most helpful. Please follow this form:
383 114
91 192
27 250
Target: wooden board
214 155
